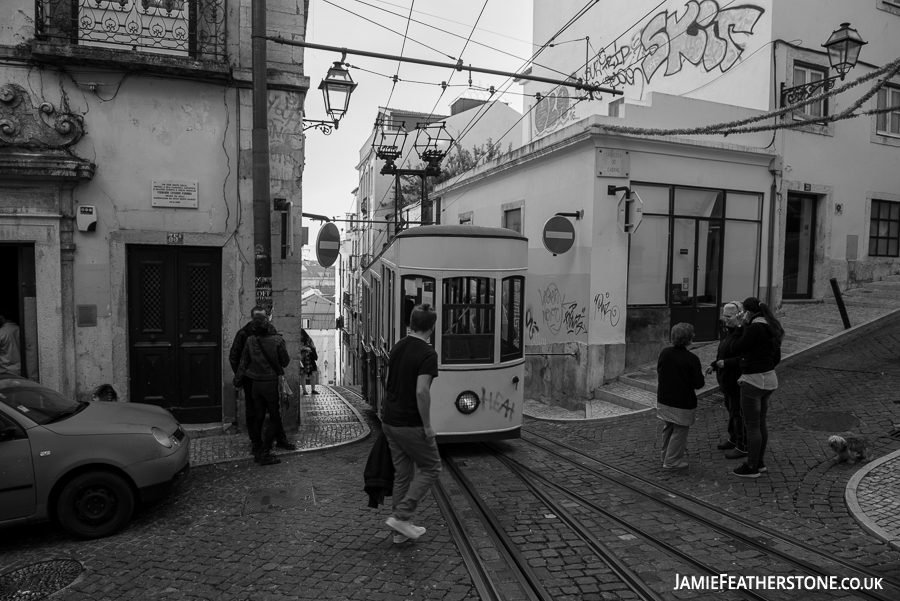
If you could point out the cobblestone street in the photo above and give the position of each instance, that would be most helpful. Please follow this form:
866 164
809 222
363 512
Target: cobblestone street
301 529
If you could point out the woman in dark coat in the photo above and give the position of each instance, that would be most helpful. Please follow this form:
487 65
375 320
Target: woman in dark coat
308 357
760 349
727 366
680 375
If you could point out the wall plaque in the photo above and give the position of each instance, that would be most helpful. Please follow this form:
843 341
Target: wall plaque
613 162
172 194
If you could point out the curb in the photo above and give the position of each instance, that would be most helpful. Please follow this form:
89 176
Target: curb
366 432
856 511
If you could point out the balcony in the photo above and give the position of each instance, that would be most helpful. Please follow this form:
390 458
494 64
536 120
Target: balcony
152 31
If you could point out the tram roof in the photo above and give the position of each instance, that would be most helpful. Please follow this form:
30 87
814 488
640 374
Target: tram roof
460 231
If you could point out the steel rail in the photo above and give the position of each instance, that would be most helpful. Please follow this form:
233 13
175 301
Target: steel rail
748 540
638 586
519 565
477 570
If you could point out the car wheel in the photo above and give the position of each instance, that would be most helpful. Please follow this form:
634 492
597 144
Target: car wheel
95 504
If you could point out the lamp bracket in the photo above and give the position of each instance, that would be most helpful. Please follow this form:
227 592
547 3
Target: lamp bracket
612 190
807 90
324 126
577 214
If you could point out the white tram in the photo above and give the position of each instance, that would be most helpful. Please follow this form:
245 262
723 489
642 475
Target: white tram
475 279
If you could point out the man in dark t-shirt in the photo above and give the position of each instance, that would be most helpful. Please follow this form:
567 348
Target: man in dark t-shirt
406 421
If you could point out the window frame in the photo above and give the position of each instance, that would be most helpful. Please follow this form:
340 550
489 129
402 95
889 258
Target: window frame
875 221
490 307
517 321
404 318
892 90
801 114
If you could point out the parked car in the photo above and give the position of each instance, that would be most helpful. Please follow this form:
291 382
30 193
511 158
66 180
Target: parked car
86 464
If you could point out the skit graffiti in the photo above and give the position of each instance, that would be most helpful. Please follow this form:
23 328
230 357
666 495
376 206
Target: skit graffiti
604 308
496 403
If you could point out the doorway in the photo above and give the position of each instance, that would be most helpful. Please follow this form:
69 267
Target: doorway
694 283
175 332
18 302
799 246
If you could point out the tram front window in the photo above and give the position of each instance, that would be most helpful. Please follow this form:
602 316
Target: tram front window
416 290
468 320
512 291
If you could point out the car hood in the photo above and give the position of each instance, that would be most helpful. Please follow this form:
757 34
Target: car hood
115 418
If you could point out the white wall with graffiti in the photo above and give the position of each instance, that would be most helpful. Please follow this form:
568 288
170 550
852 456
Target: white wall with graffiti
713 50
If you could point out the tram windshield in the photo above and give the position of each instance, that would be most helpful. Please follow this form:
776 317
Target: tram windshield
512 291
417 289
468 320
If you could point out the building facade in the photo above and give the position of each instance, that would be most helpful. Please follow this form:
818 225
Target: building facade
727 213
126 193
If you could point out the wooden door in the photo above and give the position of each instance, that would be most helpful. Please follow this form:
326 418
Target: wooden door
174 311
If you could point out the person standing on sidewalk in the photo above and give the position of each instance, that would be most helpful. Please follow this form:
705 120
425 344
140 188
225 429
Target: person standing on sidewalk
406 422
680 375
264 359
727 366
234 358
308 356
759 346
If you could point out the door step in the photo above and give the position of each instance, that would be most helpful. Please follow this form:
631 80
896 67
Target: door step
207 430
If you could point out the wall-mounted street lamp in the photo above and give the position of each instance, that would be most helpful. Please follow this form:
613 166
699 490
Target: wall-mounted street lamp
336 88
432 144
843 52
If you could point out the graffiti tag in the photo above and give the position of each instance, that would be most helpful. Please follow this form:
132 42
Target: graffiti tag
551 307
553 111
496 403
702 35
604 308
530 325
574 318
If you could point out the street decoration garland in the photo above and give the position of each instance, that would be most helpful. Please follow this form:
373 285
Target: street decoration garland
740 126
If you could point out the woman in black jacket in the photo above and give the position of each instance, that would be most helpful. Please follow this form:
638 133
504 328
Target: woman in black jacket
679 375
760 349
728 370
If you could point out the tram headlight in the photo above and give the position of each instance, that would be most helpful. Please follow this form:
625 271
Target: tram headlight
467 402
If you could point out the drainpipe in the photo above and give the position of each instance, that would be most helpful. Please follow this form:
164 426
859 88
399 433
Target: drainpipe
775 169
262 220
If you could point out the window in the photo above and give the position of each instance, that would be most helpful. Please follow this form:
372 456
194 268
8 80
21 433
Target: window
416 290
884 230
888 123
512 220
803 75
511 300
465 218
189 28
615 106
468 320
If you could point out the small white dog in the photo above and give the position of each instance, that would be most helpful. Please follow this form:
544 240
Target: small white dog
851 449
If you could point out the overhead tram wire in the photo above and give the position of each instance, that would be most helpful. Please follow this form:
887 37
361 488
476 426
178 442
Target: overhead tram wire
456 35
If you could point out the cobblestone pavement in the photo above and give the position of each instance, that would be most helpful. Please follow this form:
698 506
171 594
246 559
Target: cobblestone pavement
852 389
297 530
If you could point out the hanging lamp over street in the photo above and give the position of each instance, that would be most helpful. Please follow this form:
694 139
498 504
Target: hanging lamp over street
336 88
843 48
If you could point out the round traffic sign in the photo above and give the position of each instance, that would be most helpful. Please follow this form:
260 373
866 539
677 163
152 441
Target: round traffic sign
328 245
559 235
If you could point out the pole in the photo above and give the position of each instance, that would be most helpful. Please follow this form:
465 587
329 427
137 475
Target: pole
262 219
397 205
424 202
840 303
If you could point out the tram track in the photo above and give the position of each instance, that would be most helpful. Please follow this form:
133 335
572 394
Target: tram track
744 540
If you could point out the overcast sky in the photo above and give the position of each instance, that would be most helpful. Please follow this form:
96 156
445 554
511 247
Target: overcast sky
505 25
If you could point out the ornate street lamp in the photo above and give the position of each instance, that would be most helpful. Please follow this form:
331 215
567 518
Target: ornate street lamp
432 144
336 89
843 52
390 137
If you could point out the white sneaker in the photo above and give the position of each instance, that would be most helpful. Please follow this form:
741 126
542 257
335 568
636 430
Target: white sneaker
399 539
405 528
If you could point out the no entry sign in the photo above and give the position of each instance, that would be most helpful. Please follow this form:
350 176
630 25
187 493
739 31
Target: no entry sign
559 235
328 245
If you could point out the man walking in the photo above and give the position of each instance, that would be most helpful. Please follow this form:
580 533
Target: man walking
234 358
406 421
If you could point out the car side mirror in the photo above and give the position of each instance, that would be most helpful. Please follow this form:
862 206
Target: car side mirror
7 434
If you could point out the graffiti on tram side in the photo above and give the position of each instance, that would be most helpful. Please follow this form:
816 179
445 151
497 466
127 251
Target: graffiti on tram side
496 403
603 308
573 317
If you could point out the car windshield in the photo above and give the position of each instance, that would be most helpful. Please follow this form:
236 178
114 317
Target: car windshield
38 403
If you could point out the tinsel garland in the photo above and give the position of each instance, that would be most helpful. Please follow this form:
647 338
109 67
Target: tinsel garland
737 127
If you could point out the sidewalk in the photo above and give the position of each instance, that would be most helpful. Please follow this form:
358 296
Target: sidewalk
872 494
327 420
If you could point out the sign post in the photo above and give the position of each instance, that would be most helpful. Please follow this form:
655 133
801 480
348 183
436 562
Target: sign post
328 245
631 212
558 235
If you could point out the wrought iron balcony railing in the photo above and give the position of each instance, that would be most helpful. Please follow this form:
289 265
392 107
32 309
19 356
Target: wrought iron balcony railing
189 28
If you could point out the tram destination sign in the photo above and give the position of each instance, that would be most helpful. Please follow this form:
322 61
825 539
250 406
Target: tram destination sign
328 245
559 235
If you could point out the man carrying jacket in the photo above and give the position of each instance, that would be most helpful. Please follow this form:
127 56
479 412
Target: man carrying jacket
234 358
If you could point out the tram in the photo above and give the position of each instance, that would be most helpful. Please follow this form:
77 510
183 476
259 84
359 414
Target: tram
474 277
